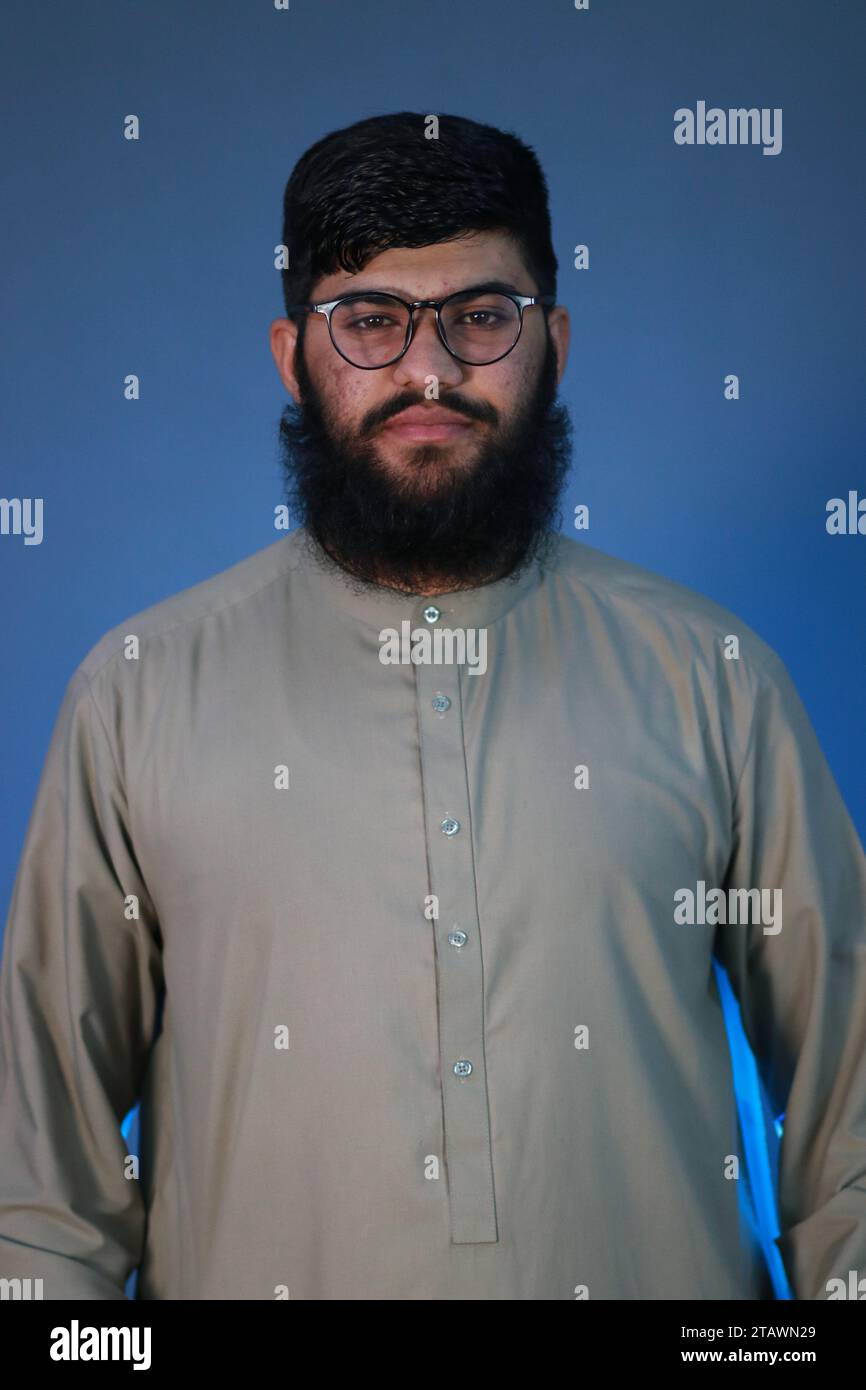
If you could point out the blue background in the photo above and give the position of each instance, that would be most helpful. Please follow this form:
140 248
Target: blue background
156 257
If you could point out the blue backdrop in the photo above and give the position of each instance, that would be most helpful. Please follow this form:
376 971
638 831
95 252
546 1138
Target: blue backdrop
156 257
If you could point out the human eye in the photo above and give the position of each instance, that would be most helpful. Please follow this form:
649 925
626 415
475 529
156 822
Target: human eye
482 318
367 323
480 313
367 316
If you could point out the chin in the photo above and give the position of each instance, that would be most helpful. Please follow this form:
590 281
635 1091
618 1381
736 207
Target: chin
425 456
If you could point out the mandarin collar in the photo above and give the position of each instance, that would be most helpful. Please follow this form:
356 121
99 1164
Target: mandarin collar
378 606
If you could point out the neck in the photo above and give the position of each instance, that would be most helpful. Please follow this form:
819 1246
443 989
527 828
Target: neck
428 587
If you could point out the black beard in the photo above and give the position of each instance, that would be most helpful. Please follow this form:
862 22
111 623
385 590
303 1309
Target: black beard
452 526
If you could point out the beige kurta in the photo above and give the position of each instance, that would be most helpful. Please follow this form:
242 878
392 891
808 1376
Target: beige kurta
396 954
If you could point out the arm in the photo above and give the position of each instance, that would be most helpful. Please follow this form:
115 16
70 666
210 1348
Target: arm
78 1001
802 990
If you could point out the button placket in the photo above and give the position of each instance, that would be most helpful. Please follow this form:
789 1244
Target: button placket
460 984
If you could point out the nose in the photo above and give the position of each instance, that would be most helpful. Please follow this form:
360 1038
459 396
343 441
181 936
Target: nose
427 356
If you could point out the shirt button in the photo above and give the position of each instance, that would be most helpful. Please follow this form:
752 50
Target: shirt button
462 1068
457 938
450 826
440 703
431 613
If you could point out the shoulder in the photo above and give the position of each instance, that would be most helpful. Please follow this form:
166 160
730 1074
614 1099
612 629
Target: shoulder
646 608
177 621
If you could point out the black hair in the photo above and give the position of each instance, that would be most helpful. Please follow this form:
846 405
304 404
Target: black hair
382 183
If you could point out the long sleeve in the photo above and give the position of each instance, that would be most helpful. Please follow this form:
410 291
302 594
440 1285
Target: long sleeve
79 992
802 988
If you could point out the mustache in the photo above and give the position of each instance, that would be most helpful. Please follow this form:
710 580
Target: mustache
473 410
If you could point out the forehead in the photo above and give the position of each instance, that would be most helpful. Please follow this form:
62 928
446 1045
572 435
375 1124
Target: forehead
428 272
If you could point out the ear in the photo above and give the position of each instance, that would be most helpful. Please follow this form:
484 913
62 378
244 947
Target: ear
284 341
559 324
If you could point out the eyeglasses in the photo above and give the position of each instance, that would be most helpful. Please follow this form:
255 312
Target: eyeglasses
478 326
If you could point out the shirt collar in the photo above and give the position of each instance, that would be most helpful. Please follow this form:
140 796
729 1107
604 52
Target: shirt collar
380 607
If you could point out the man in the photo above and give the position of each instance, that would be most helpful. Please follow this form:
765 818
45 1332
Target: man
388 867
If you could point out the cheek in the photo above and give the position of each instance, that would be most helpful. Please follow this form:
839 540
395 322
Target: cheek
345 395
507 389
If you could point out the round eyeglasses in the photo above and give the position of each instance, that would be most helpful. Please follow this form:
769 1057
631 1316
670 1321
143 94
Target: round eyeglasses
373 329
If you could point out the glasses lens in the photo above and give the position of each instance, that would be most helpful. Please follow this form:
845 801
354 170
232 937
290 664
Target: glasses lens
481 327
370 331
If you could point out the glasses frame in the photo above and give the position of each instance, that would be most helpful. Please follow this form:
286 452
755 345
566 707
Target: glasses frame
521 301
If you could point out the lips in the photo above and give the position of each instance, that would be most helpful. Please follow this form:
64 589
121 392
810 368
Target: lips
427 424
426 415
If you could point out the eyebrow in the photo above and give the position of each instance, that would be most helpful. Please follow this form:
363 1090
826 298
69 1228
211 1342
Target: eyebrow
486 287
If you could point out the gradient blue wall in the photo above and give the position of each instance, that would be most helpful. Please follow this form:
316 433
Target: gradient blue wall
156 257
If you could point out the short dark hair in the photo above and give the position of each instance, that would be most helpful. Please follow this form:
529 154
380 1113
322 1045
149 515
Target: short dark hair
382 183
